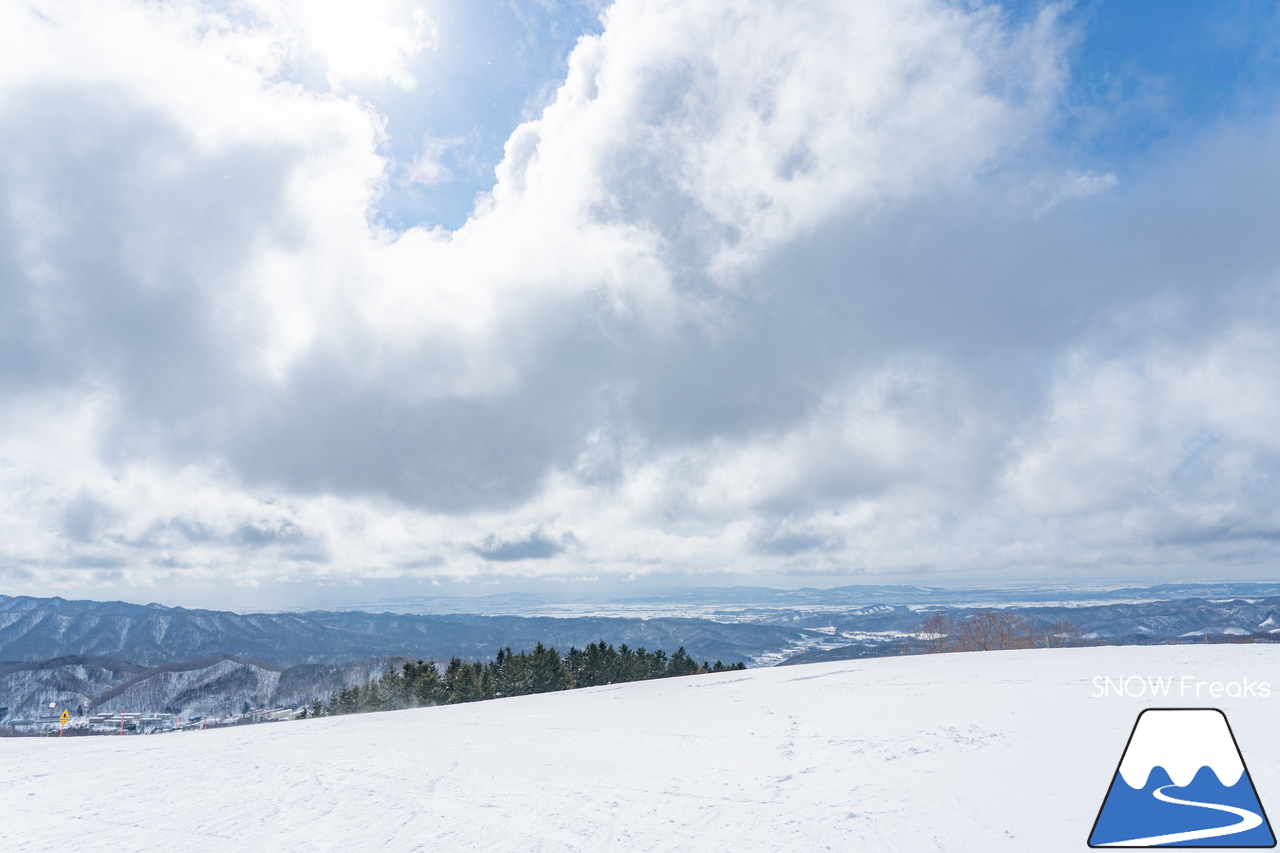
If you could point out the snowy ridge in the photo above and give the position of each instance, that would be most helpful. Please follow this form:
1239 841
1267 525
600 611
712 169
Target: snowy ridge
27 689
211 686
1181 742
202 687
806 625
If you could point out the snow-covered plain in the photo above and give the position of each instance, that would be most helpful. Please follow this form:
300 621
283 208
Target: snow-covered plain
983 751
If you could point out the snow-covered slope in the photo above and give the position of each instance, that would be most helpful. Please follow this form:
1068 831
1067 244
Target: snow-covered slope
26 689
211 686
982 751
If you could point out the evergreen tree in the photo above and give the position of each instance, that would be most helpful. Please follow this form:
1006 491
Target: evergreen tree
392 688
509 673
420 683
547 672
371 697
628 667
595 665
722 667
656 666
681 664
344 701
466 682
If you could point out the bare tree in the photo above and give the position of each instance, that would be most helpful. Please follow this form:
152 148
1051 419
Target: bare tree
1063 634
936 630
988 629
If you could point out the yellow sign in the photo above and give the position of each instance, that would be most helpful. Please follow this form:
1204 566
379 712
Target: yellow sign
66 715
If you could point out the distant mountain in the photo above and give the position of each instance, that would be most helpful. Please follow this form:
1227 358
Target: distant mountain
26 689
34 629
208 687
1161 618
872 631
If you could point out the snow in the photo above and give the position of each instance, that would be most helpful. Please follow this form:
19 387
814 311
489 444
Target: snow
982 751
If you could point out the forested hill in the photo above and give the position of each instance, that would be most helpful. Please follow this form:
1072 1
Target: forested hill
213 686
150 635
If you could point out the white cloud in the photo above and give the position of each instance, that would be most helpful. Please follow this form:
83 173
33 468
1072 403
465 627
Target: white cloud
351 41
739 298
1075 185
737 127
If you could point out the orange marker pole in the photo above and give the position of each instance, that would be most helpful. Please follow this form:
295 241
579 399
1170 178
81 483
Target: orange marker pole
61 726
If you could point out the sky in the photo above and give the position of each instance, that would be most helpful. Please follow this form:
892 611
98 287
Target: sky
308 300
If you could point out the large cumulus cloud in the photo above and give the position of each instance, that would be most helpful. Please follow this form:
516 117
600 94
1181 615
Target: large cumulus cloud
777 288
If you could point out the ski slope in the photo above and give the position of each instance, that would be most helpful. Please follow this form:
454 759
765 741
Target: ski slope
983 751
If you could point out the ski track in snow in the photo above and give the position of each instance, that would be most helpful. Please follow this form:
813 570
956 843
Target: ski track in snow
985 751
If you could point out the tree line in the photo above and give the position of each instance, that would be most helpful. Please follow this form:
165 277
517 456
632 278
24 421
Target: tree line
421 683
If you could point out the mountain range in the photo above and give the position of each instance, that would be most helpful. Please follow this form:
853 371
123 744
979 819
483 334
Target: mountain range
111 656
33 629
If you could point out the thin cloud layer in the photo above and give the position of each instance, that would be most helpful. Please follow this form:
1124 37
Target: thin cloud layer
789 289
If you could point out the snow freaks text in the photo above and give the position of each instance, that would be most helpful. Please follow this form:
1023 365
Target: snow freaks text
1176 687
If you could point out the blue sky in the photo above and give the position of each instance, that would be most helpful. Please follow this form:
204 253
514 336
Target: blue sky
307 298
497 65
1149 73
1142 74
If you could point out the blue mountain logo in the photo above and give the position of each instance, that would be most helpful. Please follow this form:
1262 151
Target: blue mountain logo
1181 783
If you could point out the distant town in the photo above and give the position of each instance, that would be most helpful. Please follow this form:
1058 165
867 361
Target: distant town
133 723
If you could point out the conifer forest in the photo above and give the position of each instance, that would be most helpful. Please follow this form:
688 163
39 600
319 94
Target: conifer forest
422 683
